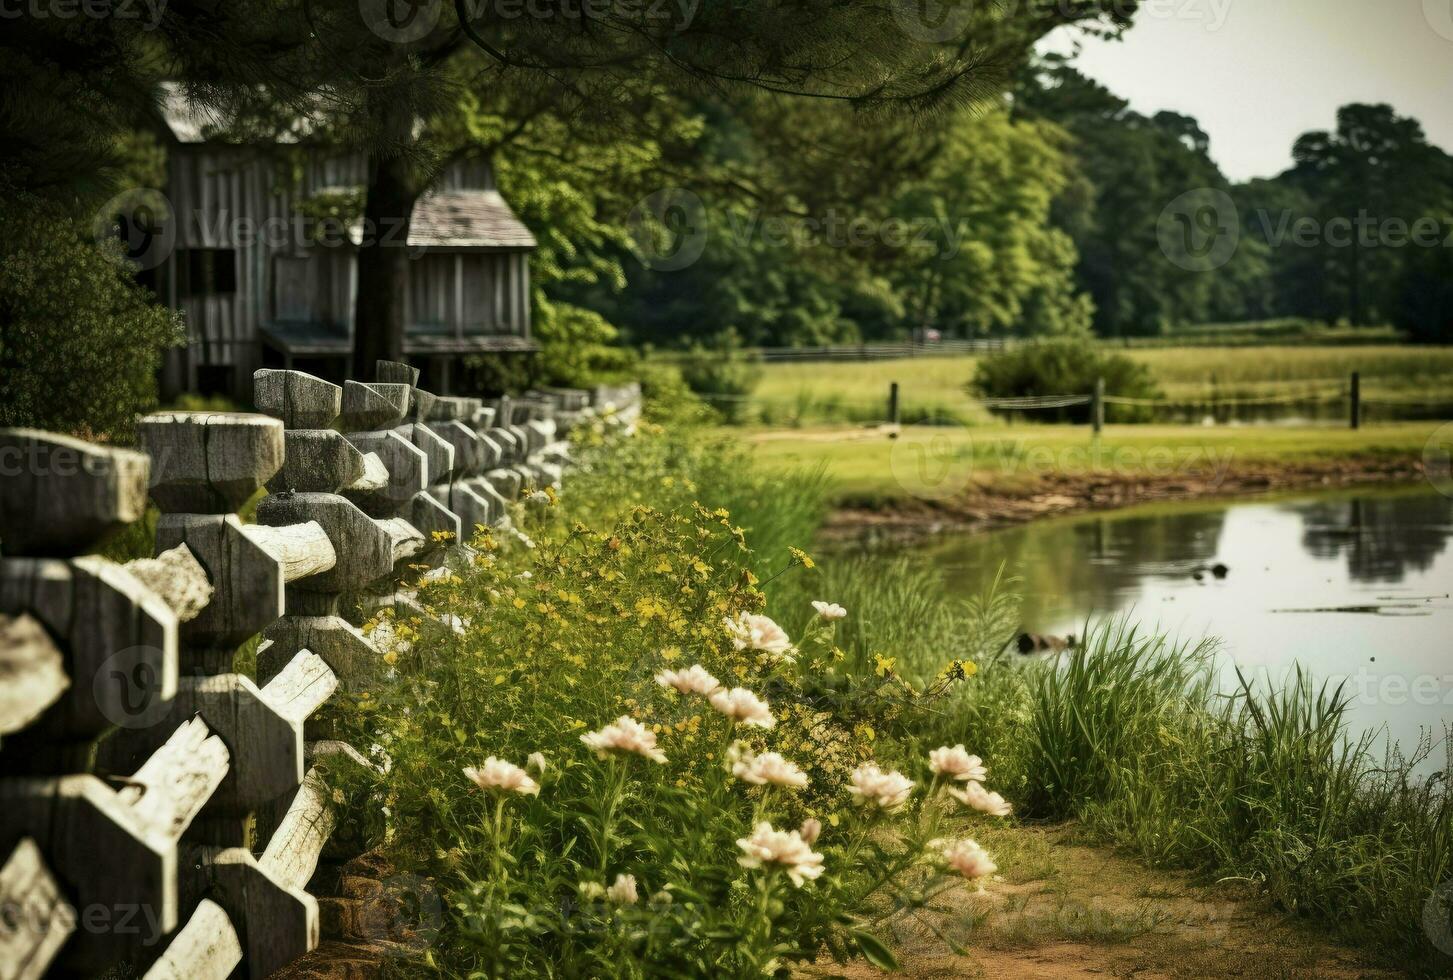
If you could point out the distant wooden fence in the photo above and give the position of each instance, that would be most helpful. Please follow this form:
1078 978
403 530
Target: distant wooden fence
157 810
859 352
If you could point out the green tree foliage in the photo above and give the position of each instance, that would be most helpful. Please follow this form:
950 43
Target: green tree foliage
1331 239
1369 182
813 231
1130 167
991 263
80 341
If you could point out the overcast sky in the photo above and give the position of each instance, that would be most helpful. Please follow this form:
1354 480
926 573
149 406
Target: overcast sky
1259 73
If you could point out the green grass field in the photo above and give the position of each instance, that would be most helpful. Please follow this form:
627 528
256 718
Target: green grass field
866 466
933 387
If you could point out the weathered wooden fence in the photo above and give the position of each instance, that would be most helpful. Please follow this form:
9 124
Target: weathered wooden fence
157 810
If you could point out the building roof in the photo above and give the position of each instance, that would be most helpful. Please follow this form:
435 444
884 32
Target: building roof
467 219
455 218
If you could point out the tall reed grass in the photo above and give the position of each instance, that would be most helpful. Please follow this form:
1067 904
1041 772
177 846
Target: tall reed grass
1130 734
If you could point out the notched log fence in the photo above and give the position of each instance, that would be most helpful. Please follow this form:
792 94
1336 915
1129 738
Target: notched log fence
157 809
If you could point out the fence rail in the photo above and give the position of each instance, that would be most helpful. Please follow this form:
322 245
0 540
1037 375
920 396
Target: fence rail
865 352
200 813
1317 401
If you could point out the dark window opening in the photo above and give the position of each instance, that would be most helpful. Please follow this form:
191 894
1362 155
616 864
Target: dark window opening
215 379
206 271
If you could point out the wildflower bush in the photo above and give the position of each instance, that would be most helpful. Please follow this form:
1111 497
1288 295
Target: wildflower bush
611 762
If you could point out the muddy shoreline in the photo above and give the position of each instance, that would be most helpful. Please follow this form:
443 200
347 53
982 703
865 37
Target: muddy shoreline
1055 495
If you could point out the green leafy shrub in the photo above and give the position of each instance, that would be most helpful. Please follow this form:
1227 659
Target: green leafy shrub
80 340
724 374
1065 366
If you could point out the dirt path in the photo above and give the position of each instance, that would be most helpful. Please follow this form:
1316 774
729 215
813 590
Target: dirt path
1066 910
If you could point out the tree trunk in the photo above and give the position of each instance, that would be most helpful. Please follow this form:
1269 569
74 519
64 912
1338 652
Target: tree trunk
1356 263
383 256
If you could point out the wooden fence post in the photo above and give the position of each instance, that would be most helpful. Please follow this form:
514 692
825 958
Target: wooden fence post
1097 406
893 417
200 756
1354 392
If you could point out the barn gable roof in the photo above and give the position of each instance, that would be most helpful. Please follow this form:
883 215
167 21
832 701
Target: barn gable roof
445 219
467 219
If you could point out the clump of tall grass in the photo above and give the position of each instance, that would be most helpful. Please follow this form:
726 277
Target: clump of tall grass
1129 733
899 611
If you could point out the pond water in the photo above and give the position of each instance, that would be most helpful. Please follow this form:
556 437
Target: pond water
1349 585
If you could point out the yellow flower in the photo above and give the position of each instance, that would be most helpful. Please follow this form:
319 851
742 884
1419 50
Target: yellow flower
391 658
883 666
802 557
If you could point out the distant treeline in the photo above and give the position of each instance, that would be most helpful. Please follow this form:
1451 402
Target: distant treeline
1054 209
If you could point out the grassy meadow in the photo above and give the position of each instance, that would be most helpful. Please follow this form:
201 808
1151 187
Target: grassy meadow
866 466
933 388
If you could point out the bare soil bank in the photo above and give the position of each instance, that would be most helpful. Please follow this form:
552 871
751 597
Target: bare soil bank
1052 495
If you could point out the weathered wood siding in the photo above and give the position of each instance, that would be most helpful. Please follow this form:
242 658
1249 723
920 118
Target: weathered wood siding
238 199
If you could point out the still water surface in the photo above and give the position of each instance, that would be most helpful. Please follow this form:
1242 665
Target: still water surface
1353 586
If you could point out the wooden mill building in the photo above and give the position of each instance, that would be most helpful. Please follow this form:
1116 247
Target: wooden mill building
258 286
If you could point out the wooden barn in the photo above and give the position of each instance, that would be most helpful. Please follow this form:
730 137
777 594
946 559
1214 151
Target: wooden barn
259 286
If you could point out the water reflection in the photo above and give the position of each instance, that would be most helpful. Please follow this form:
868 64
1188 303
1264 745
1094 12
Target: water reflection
1381 538
1352 586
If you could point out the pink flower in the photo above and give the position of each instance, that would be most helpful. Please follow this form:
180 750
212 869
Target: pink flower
956 763
829 610
769 768
625 734
749 631
692 680
885 790
976 796
967 858
784 848
496 774
743 707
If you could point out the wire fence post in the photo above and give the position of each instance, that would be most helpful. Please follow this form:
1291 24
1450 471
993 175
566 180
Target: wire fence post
1097 406
893 403
1354 392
